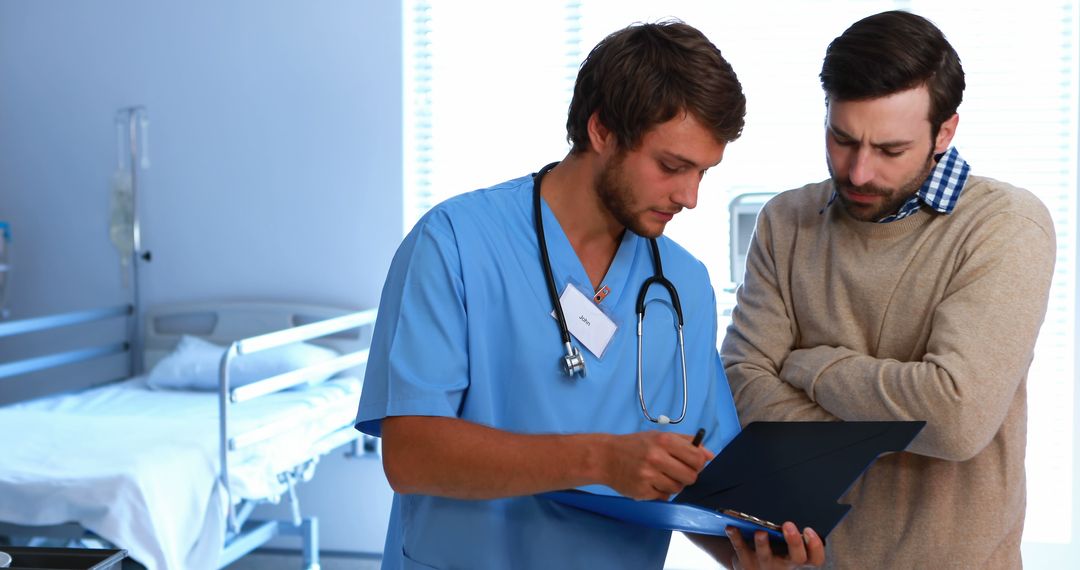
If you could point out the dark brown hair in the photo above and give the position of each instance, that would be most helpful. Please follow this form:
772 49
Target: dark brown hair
646 74
891 52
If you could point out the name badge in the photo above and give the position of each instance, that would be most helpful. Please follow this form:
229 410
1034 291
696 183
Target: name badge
586 321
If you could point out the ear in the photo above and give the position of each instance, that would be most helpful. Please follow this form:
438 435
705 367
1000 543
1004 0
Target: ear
600 137
945 134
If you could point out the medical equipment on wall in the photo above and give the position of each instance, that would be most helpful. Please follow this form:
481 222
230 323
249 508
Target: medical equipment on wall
574 362
743 211
5 266
132 156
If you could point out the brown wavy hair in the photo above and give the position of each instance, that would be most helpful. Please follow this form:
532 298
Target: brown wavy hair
646 74
892 52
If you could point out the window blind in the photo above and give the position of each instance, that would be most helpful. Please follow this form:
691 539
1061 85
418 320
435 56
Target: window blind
488 88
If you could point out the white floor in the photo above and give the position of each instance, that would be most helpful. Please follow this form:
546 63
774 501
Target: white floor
684 555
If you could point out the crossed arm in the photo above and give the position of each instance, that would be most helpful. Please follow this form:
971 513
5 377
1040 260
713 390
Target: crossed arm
979 336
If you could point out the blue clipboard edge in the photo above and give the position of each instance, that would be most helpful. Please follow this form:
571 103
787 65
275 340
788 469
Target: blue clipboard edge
659 514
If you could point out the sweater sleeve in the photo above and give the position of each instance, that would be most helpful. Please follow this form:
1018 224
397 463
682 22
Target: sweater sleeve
761 335
980 346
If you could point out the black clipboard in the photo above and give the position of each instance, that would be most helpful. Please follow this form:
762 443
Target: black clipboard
771 472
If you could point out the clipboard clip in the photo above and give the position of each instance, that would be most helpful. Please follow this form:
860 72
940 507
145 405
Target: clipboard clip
751 519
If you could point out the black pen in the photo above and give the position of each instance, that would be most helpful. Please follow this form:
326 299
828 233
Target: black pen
700 435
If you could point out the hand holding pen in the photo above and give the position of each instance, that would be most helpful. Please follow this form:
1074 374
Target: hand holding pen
652 464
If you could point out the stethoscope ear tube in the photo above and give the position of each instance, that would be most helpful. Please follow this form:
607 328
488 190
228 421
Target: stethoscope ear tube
661 419
659 280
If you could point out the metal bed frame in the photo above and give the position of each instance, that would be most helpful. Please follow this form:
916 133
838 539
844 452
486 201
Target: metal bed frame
243 533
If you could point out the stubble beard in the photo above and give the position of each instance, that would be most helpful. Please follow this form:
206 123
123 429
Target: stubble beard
617 196
894 198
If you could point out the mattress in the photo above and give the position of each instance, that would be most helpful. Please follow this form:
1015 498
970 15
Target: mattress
139 467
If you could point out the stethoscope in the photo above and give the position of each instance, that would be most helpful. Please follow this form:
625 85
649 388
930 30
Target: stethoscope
573 362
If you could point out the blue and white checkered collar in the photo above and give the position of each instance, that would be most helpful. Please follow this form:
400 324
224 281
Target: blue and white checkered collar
940 192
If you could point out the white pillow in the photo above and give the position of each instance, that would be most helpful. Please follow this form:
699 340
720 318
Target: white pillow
195 362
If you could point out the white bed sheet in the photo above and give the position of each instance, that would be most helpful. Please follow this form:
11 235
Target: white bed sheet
139 467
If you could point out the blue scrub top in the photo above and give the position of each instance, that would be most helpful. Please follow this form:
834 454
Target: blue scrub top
465 330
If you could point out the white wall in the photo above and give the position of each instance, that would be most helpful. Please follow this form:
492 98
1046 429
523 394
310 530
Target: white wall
275 147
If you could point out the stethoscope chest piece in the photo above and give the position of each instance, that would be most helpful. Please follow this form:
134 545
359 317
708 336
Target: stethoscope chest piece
573 363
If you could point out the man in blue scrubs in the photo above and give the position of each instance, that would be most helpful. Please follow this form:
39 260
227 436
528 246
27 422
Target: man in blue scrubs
465 384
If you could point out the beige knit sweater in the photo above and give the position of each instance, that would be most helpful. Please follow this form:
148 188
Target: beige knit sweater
932 317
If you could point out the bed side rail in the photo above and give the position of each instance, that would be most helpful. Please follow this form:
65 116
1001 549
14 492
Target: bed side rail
289 336
272 430
297 377
59 321
230 396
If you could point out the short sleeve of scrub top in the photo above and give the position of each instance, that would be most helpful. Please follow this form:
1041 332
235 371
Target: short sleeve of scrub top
419 362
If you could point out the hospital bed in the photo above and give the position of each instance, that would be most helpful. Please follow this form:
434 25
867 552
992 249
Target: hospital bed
174 475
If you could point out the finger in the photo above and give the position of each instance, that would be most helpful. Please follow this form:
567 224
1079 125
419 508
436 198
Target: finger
662 494
795 546
673 467
668 485
694 457
653 477
815 548
762 549
652 489
742 551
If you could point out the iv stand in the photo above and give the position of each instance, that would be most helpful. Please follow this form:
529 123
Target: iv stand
133 118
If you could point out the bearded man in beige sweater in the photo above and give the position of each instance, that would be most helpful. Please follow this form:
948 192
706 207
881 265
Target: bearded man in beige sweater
903 288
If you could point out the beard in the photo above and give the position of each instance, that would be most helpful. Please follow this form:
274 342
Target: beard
892 198
616 193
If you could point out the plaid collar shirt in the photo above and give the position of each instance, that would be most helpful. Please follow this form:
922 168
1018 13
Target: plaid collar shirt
940 191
